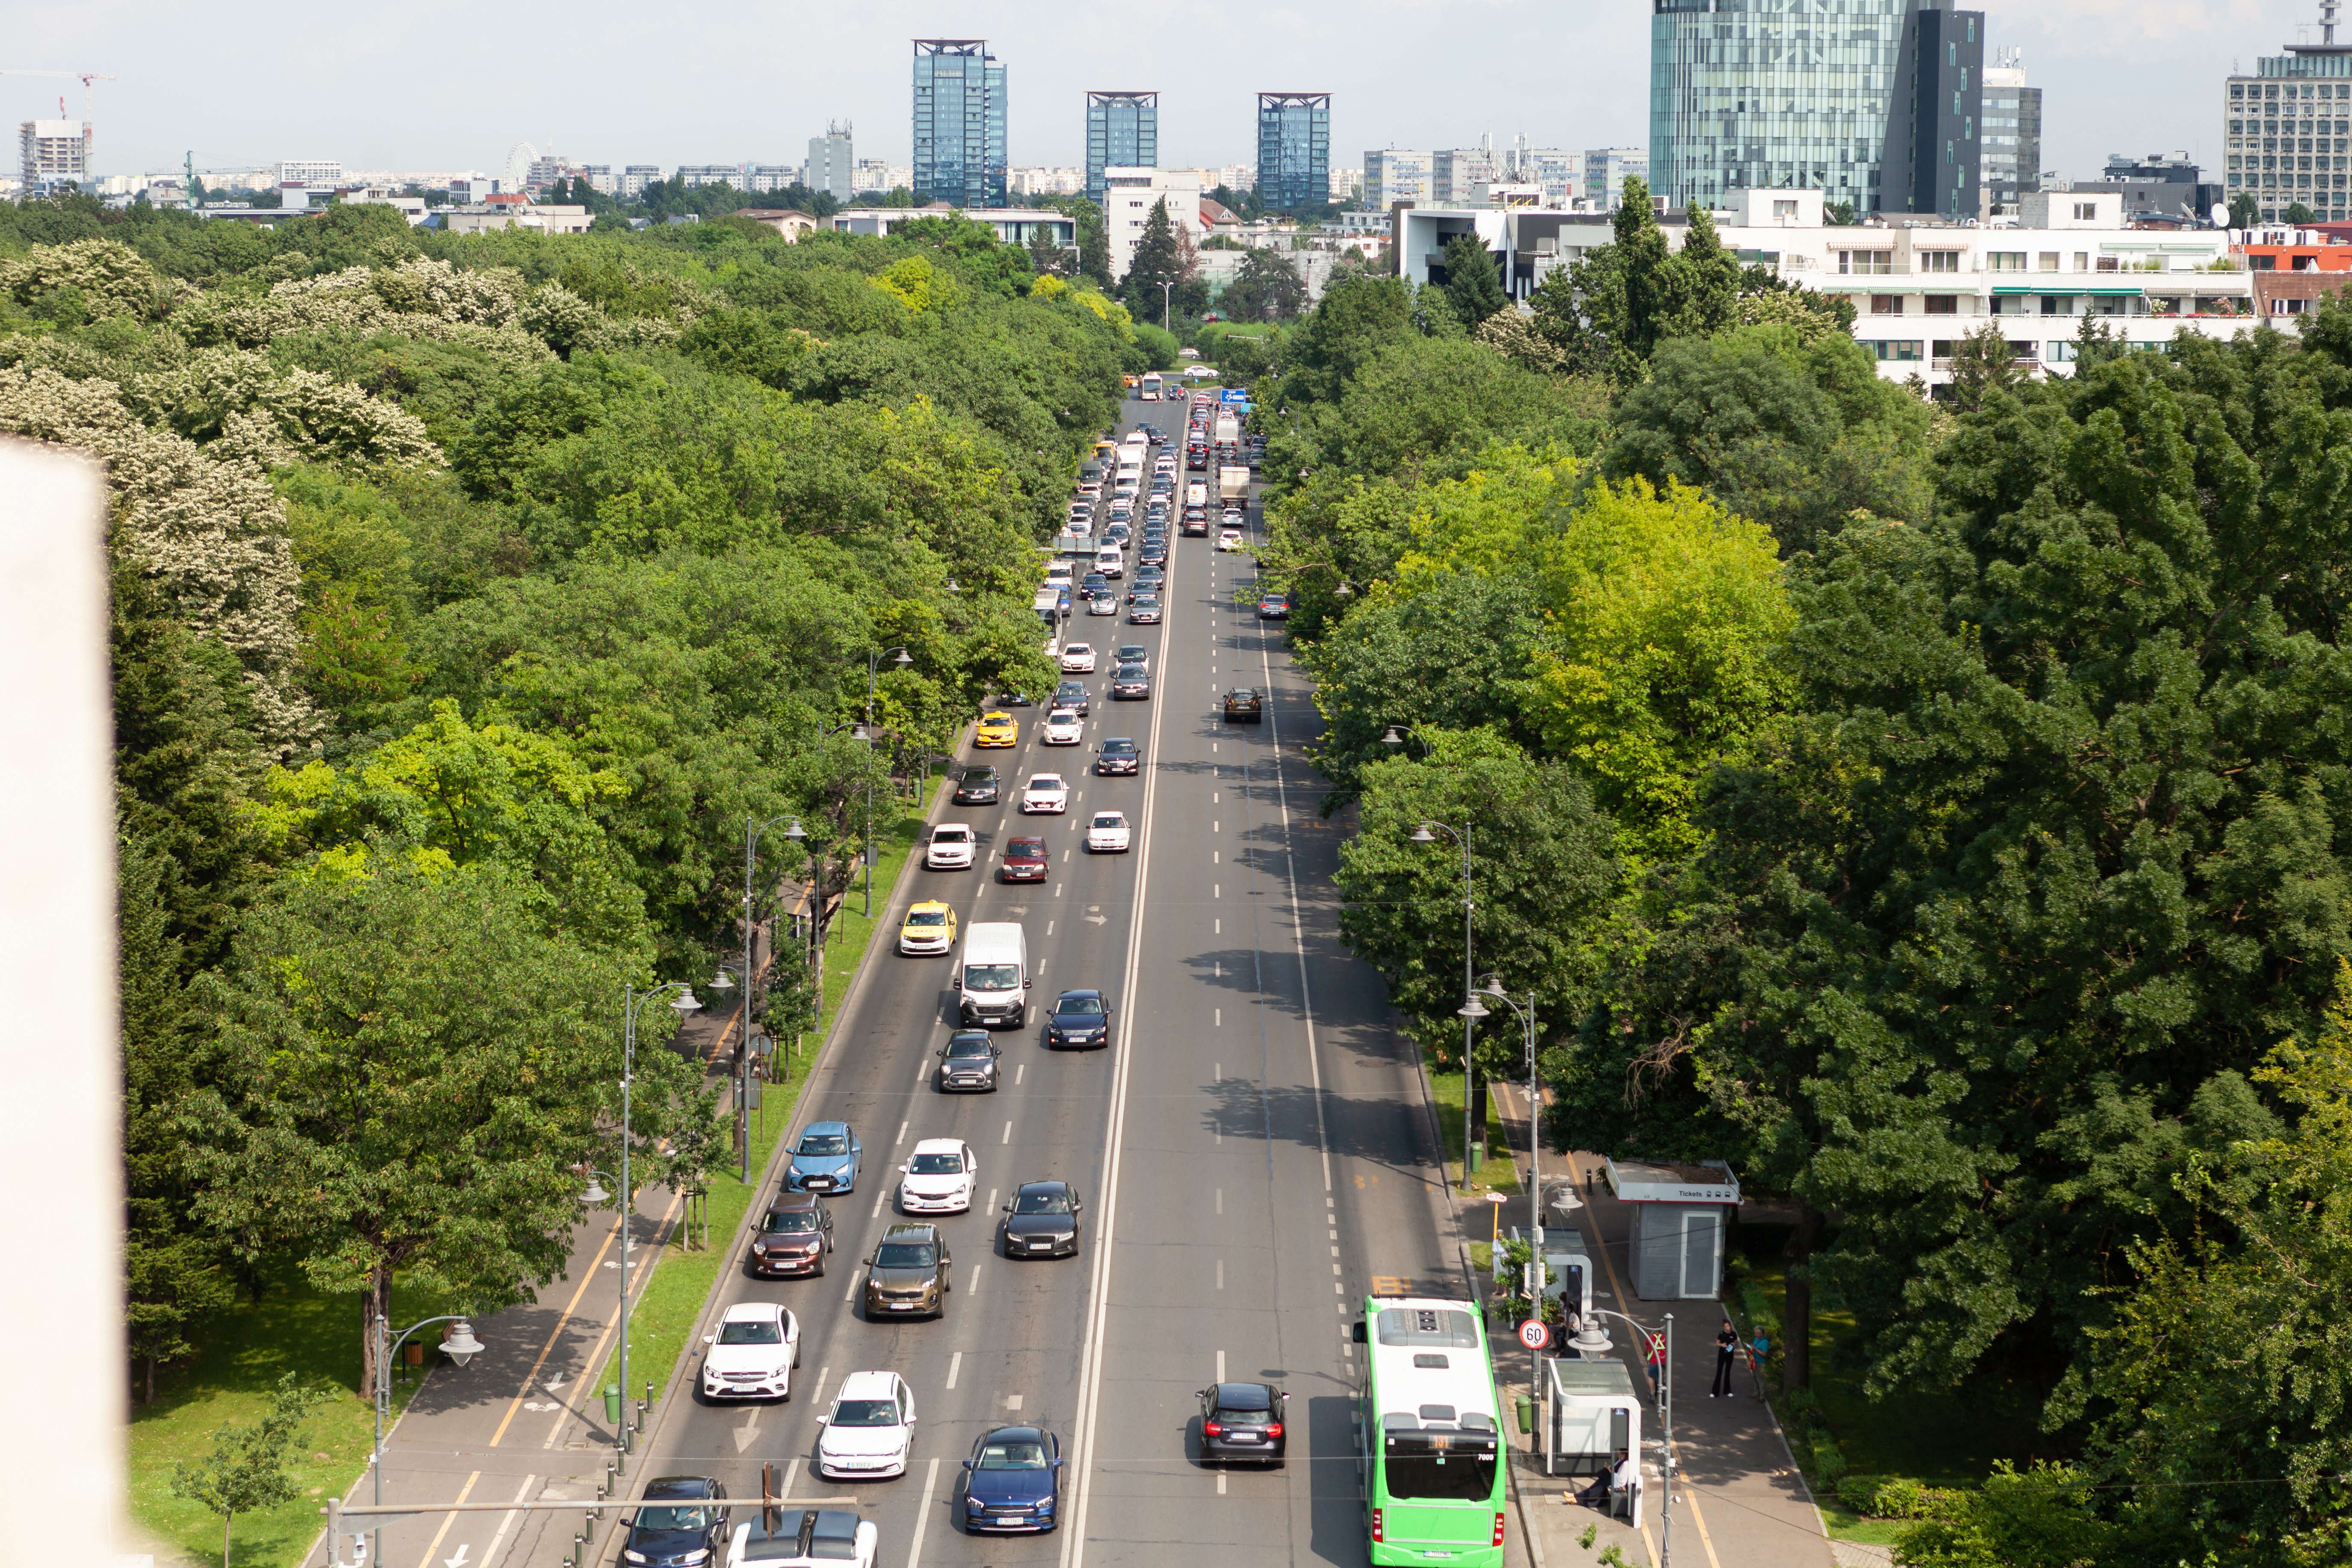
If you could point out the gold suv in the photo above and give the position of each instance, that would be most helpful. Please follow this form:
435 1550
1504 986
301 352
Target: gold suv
909 1273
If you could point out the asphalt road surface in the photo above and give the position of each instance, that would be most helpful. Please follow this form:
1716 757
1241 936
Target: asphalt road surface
1254 1148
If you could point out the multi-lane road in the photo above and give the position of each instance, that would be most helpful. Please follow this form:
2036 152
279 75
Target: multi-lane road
1254 1147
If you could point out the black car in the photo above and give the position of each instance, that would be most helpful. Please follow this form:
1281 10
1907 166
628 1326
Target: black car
1041 1220
1071 694
1242 1421
978 785
1078 1018
1132 683
1242 706
1096 583
666 1534
968 1062
794 1236
1152 555
1117 756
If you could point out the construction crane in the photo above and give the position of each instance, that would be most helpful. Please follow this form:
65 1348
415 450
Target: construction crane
85 77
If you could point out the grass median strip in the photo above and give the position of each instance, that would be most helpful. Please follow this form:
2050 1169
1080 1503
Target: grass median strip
670 1303
1498 1175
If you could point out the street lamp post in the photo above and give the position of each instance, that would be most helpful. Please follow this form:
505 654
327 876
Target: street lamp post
872 662
1472 1010
1167 314
461 1346
1591 1341
1423 835
752 832
632 1004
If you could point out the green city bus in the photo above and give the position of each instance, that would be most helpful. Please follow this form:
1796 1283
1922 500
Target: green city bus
1430 1434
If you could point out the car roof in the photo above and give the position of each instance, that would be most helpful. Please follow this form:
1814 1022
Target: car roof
752 1311
1051 1183
996 715
963 828
938 1145
1077 996
927 904
867 1385
1014 1435
1049 780
1117 740
681 1485
1246 1395
1026 843
911 1230
826 1127
783 1201
1053 713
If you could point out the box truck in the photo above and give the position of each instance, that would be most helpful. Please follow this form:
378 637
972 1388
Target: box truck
993 987
1233 484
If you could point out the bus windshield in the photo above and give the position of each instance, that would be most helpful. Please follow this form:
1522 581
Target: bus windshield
1438 1466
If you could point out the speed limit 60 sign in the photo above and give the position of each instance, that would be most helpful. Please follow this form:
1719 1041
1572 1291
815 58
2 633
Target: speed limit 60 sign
1534 1335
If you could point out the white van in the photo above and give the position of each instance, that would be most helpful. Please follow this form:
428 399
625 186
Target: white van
993 987
1110 562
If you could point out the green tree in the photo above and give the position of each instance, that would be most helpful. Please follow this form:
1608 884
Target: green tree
2245 212
2298 213
1839 213
249 1469
2045 1517
1984 364
420 1071
1154 264
1471 286
1267 288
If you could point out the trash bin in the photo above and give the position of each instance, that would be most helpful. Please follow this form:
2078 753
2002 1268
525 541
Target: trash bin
612 1403
1527 1414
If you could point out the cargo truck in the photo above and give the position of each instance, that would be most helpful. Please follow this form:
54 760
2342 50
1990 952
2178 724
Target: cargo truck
1233 483
1228 430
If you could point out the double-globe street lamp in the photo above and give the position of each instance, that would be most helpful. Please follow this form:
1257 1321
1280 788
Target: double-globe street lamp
1426 833
752 833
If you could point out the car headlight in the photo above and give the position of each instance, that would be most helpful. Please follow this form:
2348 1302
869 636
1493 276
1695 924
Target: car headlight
699 1555
633 1556
759 1249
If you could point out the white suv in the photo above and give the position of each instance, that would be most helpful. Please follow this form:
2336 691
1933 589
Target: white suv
752 1354
951 847
869 1429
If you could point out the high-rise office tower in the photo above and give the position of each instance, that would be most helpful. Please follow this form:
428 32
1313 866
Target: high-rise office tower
833 162
1122 132
2284 128
1293 150
2009 134
1933 158
960 121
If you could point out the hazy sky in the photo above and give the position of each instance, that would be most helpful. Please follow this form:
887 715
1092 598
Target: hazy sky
434 85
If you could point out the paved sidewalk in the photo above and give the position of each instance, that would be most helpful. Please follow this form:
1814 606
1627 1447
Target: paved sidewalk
520 1422
1739 1500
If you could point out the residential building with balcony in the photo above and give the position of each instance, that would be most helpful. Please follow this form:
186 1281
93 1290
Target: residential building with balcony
1916 288
1129 197
1393 174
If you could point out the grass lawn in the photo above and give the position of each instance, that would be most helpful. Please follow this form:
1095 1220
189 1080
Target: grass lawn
1947 1439
682 1280
1498 1175
292 1329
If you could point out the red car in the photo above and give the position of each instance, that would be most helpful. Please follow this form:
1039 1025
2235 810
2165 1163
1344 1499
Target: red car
1025 860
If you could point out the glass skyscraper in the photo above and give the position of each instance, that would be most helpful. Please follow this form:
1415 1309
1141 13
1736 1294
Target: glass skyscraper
1122 132
959 123
1293 150
1743 97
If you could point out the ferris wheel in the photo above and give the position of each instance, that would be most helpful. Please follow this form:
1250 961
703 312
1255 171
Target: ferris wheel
519 159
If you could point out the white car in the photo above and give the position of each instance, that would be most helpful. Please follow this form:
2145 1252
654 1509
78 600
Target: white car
1078 658
1064 727
1231 539
1107 833
869 1429
1103 604
951 848
752 1354
806 1538
1045 793
937 1178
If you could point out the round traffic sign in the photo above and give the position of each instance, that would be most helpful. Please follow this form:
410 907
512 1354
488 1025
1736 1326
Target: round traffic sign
1534 1335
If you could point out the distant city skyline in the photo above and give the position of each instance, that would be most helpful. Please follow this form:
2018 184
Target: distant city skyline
386 90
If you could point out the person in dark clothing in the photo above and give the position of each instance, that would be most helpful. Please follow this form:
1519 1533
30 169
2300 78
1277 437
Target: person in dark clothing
1727 1350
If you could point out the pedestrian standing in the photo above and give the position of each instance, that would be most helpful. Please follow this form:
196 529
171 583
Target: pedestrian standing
1759 1350
1726 1346
1655 1355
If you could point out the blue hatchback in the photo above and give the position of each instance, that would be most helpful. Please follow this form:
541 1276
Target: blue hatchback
824 1160
1013 1480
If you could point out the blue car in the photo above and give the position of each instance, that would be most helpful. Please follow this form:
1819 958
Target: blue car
1013 1481
824 1160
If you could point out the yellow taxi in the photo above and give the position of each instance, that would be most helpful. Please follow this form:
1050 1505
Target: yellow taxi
929 928
997 728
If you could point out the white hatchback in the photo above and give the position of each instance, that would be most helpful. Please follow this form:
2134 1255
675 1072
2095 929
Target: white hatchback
1078 658
1064 727
937 1178
1107 834
752 1354
869 1429
1231 539
1045 793
951 847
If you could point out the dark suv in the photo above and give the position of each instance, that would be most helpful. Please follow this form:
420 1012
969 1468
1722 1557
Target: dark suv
909 1273
676 1525
794 1236
978 786
1071 694
1117 755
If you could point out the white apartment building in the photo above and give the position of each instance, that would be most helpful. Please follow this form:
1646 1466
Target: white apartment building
1129 197
546 219
1393 174
635 177
1917 289
310 171
1042 181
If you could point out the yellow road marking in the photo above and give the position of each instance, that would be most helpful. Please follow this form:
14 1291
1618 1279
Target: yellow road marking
446 1521
533 1376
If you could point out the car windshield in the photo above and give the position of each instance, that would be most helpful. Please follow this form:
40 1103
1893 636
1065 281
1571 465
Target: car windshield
864 1413
675 1517
936 1165
992 976
1119 748
1110 819
1041 1200
1012 1457
823 1144
1242 1399
960 1048
1045 782
749 1334
1072 1005
905 1255
926 918
788 1221
951 834
1131 672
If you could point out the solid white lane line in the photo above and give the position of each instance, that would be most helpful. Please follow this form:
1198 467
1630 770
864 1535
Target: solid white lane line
923 1519
955 1365
902 1134
1297 916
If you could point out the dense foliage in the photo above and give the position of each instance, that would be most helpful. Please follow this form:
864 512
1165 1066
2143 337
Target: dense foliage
470 593
1938 811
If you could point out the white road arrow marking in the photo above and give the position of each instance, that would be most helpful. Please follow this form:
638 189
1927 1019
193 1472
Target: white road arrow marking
555 1386
746 1432
459 1561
